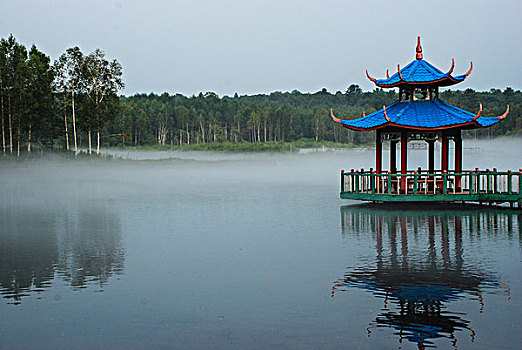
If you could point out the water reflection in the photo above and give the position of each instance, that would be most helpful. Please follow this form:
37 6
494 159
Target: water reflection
421 268
79 243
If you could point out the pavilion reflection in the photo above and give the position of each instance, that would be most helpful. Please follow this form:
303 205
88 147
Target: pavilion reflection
78 243
420 267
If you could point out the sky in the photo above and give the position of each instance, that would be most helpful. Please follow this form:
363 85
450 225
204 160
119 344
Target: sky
252 47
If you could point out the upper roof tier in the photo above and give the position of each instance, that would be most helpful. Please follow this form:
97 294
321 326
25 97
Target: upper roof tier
420 115
420 72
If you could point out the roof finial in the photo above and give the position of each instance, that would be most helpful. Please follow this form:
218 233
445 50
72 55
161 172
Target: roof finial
369 77
419 49
337 120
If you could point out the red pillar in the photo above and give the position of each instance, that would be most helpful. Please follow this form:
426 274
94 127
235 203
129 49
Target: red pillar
431 161
458 158
444 157
378 152
431 156
393 157
404 158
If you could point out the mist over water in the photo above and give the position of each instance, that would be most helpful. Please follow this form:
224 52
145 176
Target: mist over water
231 251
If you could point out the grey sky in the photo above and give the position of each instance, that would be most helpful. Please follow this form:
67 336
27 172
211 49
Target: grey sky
252 47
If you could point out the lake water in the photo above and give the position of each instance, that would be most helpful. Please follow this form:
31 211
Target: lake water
250 251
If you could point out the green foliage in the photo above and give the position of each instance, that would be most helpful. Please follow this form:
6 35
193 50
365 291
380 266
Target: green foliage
38 102
278 117
283 117
494 103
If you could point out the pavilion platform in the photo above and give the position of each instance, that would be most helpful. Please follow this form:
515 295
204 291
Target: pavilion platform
484 187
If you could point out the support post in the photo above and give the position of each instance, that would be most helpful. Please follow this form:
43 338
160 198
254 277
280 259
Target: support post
471 182
404 159
342 180
390 183
372 181
431 161
393 157
444 156
357 181
488 180
415 181
510 182
444 182
458 160
519 184
378 152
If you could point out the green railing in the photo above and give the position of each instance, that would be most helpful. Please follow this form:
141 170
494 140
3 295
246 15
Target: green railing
489 185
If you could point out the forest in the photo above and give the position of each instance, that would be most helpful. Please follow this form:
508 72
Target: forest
73 103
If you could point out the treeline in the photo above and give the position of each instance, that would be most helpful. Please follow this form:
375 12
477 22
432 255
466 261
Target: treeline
55 105
206 118
73 103
290 116
494 103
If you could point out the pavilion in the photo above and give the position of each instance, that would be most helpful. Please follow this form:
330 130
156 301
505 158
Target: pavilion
419 114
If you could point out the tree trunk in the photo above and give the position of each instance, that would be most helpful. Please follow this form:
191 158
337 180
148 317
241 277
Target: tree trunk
18 140
162 133
2 106
65 119
202 131
10 124
29 139
74 125
264 138
316 129
89 135
98 142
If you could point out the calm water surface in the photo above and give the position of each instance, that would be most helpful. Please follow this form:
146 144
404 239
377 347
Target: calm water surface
249 252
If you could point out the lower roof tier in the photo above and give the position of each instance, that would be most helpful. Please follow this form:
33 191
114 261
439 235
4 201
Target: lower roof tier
421 115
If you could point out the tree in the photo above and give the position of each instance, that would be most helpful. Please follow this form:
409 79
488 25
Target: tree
353 94
181 113
14 82
69 69
101 80
39 99
60 86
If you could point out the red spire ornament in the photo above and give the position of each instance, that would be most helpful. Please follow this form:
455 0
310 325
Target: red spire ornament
418 49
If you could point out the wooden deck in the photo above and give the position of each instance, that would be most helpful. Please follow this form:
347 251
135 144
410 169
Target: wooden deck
492 187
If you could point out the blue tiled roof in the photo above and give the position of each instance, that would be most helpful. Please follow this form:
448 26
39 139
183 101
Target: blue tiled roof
431 114
420 71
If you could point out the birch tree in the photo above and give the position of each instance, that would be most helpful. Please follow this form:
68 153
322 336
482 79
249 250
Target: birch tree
3 62
69 68
102 79
60 86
